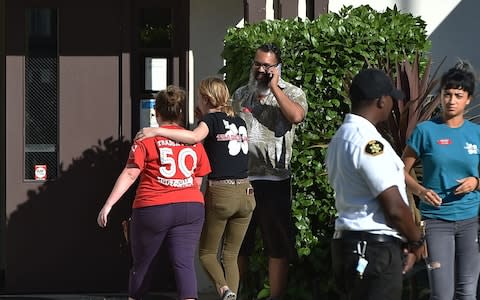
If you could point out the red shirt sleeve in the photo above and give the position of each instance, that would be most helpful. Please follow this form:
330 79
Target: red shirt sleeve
137 155
203 164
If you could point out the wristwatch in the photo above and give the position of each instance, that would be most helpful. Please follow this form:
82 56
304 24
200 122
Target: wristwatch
414 245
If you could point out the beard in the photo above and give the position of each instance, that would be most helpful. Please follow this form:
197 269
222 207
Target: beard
258 83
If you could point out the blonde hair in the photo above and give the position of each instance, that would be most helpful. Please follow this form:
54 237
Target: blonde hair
215 91
169 103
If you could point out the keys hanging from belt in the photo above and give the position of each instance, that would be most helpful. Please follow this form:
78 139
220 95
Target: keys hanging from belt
362 261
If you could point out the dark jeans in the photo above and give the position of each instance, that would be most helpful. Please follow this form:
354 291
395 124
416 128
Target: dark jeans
178 225
382 279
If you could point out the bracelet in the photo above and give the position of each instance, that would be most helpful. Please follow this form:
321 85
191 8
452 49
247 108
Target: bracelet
478 183
413 245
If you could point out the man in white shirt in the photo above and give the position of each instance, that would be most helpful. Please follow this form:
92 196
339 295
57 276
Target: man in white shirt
370 197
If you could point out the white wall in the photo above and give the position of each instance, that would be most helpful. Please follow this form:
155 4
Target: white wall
209 21
431 11
452 26
457 35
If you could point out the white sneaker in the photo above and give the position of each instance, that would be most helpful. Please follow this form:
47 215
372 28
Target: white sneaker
229 295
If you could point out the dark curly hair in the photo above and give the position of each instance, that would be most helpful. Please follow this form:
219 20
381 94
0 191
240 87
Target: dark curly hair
461 77
271 47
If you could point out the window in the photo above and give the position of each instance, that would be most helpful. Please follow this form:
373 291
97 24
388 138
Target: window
41 94
156 72
156 29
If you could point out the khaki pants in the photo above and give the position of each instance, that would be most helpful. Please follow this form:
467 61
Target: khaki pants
228 210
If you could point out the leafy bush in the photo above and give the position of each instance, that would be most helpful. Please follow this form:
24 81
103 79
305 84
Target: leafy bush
321 56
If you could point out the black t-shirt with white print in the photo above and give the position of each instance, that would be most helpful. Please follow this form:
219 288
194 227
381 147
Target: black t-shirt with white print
227 146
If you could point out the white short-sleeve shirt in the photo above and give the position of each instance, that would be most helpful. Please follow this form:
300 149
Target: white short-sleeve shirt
361 164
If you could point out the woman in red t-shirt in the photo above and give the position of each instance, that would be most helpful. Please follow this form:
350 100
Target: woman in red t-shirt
168 206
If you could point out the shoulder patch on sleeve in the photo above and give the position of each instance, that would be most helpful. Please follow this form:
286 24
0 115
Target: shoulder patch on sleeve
374 148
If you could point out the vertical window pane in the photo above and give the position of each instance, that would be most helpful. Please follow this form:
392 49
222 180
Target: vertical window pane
155 74
41 97
156 29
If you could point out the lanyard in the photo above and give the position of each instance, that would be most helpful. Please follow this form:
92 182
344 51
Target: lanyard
361 248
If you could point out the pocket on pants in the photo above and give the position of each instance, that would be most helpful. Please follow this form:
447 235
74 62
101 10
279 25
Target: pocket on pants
383 258
221 200
248 202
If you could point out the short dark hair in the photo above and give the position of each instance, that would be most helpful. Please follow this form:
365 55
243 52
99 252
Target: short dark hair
271 47
461 77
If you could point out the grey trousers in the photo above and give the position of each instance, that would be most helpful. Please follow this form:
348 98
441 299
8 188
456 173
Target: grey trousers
454 258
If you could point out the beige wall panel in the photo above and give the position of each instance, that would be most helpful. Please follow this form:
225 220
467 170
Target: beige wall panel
88 106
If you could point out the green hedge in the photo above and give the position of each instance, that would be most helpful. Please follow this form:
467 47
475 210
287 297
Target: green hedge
321 56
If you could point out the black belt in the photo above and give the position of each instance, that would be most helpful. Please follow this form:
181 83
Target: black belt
364 236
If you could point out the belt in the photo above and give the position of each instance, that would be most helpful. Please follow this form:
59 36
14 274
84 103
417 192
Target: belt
228 181
364 236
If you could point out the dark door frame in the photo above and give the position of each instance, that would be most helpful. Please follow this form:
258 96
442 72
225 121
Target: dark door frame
177 54
2 145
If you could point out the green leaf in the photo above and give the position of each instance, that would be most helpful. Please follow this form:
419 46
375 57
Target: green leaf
264 293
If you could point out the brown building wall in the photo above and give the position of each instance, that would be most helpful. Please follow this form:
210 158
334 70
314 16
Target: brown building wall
52 241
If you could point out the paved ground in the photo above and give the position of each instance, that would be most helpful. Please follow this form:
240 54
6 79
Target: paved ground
168 296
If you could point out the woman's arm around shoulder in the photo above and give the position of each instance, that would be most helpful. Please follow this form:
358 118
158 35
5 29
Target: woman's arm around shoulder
180 135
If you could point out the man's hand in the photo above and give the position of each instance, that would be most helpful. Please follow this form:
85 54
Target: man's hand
275 74
412 256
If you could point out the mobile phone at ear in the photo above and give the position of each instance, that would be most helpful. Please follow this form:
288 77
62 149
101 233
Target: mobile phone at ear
279 68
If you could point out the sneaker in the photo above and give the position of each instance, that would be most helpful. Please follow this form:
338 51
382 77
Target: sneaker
229 295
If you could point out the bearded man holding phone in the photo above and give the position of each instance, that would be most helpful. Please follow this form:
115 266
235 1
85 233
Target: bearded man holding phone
271 108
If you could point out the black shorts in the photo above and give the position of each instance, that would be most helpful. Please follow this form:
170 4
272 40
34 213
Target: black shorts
273 214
